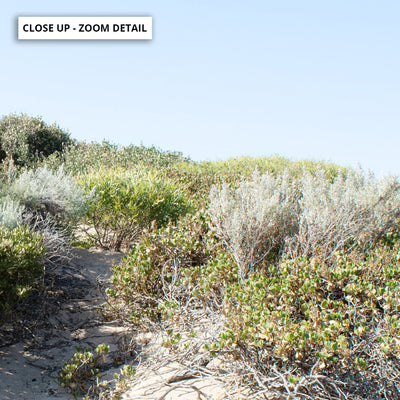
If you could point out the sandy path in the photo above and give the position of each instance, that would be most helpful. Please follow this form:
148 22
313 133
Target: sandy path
29 368
30 364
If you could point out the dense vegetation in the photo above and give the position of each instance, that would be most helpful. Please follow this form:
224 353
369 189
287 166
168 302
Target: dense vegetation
286 270
25 139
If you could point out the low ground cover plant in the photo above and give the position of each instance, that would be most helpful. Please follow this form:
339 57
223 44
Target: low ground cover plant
148 280
328 329
83 371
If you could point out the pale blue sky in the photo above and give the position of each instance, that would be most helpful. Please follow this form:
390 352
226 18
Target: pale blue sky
303 79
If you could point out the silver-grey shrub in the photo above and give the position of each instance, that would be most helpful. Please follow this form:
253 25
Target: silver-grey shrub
48 191
254 218
351 208
10 212
51 203
310 216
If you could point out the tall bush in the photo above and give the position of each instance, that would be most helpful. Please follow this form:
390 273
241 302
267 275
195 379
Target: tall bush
25 138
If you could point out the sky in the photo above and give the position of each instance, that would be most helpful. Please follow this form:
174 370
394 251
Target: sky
220 78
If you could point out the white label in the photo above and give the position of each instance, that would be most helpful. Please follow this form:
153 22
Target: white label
85 28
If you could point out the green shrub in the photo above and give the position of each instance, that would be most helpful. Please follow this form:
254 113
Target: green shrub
21 253
155 266
125 202
26 139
